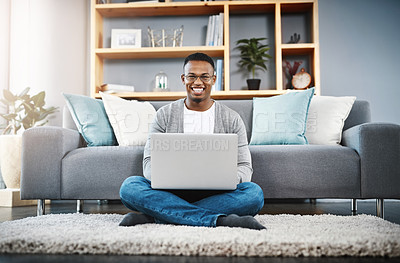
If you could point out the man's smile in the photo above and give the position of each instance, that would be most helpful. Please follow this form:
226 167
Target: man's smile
197 90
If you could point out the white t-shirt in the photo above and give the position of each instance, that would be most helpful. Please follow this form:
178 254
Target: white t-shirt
199 121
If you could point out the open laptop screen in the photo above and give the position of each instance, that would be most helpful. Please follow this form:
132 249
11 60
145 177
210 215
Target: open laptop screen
194 161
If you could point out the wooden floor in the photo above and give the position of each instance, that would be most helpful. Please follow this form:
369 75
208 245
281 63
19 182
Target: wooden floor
336 207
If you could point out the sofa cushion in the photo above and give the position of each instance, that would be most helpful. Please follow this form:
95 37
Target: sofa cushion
245 109
326 117
281 119
130 119
360 113
306 171
91 120
98 172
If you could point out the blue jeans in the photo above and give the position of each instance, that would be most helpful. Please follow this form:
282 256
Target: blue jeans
193 208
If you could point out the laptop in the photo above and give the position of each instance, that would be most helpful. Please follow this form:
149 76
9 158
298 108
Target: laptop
184 161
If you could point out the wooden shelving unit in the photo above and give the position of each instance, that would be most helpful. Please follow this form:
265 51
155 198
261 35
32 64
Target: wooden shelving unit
157 52
278 8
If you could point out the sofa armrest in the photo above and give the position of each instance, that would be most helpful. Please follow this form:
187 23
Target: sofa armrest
378 145
43 149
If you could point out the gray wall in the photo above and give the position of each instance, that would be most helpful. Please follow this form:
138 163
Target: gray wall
359 49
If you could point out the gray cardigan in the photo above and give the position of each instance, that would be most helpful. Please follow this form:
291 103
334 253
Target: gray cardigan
169 119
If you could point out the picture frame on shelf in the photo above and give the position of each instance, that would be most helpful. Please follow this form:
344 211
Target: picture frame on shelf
126 38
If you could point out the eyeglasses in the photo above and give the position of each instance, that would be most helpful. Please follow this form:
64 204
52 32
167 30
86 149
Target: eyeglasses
193 78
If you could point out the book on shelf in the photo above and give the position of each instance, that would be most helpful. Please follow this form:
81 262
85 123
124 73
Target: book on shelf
142 1
220 76
212 29
219 73
221 29
208 30
215 30
116 88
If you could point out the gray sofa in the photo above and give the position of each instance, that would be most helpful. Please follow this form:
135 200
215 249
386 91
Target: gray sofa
56 165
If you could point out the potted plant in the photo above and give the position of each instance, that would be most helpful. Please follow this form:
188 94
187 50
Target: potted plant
23 111
253 55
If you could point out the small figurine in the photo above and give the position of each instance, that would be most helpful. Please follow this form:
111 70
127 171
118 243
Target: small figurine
294 39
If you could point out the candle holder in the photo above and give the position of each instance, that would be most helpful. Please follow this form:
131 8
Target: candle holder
165 37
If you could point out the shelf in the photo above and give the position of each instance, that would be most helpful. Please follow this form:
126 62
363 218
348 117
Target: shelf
158 52
244 94
218 95
297 49
172 95
294 6
198 8
160 9
247 7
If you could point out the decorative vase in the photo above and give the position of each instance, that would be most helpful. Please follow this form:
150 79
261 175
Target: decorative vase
161 82
10 157
253 84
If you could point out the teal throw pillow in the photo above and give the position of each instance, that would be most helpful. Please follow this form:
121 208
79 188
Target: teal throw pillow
281 119
91 120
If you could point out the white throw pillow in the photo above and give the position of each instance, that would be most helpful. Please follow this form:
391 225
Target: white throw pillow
326 117
130 119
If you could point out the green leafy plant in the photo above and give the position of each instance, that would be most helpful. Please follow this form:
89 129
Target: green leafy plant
24 110
253 54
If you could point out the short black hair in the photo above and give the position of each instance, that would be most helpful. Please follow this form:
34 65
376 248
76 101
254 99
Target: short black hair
199 57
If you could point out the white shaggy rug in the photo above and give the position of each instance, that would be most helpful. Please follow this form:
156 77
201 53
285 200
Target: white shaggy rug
287 235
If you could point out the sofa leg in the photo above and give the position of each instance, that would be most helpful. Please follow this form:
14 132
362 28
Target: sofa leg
380 207
354 207
79 206
102 202
313 201
40 207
